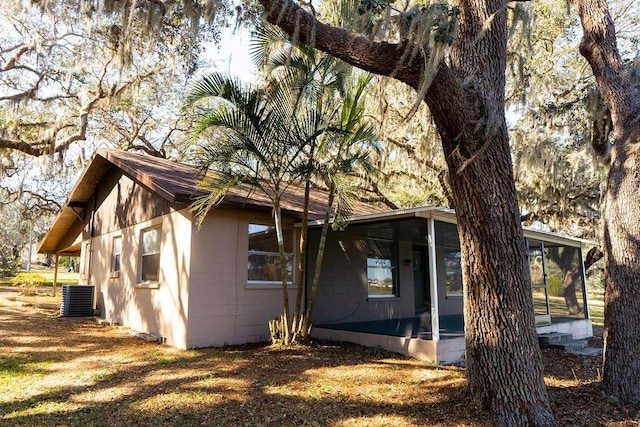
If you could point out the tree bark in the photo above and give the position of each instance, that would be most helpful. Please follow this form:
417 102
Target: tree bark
565 260
503 357
621 239
622 278
466 100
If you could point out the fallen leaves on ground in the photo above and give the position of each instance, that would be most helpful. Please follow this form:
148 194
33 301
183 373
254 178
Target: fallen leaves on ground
73 371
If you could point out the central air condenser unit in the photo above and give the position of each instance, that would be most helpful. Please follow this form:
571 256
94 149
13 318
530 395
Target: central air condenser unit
77 301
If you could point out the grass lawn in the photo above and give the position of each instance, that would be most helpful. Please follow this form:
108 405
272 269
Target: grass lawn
45 290
64 277
596 312
74 372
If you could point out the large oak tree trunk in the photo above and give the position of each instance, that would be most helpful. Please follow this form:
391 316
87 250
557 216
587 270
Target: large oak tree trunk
466 100
621 237
622 278
503 356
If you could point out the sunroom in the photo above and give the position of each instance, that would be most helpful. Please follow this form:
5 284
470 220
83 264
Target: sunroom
394 280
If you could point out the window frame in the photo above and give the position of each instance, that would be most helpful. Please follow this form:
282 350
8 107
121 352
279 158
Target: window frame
447 246
393 267
448 273
141 281
116 256
85 260
289 255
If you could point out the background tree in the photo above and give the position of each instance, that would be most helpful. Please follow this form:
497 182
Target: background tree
621 217
568 128
61 67
69 83
30 196
550 93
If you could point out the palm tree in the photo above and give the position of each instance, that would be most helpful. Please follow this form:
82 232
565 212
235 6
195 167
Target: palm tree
326 82
318 79
303 125
340 156
259 138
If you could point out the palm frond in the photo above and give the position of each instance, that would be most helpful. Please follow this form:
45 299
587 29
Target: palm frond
219 185
265 40
215 85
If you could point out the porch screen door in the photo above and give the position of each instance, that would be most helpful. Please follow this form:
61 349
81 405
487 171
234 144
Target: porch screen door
539 288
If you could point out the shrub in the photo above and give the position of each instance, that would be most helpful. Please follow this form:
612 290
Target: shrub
29 283
9 268
555 287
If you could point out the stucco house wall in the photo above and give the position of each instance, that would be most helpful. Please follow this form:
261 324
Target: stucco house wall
122 208
224 309
202 296
343 291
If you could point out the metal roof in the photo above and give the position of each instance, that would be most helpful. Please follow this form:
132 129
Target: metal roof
449 215
178 183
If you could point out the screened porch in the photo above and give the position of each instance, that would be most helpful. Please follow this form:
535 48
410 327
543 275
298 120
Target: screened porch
393 280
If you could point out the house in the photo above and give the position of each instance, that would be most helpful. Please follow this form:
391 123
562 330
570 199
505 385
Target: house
156 270
391 278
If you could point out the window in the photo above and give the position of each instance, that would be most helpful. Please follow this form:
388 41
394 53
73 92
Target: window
117 254
381 268
150 262
453 273
264 259
449 258
85 259
564 269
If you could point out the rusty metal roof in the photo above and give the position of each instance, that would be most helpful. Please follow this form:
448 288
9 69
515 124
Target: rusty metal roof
179 184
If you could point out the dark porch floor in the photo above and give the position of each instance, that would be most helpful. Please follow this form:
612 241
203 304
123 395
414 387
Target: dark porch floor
451 326
409 327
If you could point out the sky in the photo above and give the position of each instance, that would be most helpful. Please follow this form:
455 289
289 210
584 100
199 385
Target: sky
232 56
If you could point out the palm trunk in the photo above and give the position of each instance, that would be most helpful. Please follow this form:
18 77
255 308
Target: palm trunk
286 329
306 326
302 264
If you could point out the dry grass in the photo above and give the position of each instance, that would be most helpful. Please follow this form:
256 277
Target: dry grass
57 371
39 299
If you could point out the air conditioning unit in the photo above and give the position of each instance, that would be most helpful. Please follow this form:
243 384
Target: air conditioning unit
77 301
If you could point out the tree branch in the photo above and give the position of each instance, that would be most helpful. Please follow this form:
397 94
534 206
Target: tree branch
594 255
540 214
11 63
454 114
380 197
21 146
599 48
27 94
411 152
